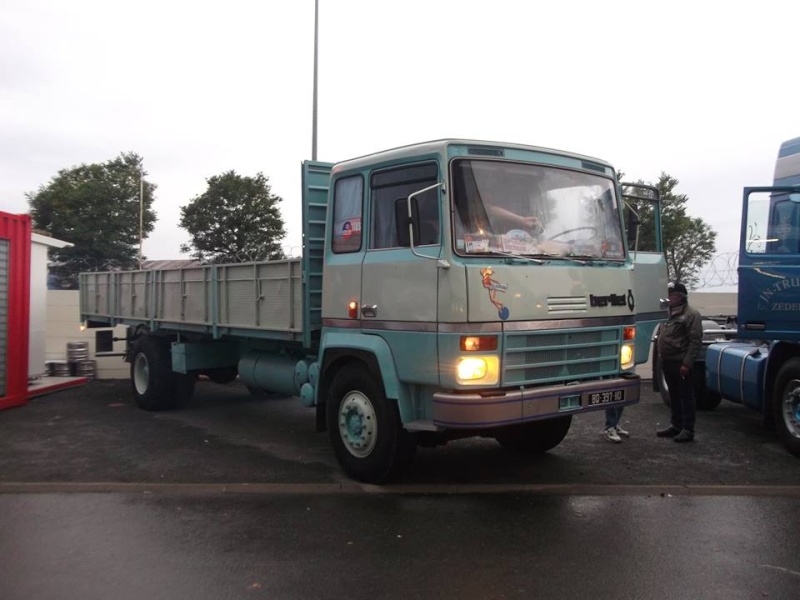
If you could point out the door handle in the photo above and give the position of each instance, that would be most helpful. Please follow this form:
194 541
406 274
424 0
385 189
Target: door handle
369 310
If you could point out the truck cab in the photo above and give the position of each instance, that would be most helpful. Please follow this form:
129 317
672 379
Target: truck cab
762 368
488 288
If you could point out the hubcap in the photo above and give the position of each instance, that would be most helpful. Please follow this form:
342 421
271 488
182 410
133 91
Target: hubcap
358 426
141 373
791 408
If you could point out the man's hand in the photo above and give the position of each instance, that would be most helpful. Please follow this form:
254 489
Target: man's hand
685 371
531 224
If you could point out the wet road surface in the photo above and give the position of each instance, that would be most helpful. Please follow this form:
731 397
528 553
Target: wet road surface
130 546
241 498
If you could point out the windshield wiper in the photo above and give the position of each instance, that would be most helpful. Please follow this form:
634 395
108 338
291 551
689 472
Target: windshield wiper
532 259
588 259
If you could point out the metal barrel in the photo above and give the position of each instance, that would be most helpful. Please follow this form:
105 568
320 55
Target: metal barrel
86 368
60 368
77 351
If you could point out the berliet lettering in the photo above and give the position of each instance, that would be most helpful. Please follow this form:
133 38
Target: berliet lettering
609 300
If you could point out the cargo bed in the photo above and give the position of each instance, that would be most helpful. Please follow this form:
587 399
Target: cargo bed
256 300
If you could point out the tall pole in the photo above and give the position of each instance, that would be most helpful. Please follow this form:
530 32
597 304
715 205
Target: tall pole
314 116
141 211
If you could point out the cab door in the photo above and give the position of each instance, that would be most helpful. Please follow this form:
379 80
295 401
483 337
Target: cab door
399 283
642 212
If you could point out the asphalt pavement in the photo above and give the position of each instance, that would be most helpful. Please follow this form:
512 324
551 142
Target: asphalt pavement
237 497
94 434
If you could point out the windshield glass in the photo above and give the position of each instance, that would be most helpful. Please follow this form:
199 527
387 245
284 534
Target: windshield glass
526 209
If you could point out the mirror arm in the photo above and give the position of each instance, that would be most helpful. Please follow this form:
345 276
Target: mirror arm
638 222
442 263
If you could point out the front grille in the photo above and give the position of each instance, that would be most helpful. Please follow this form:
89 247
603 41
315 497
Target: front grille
537 357
566 304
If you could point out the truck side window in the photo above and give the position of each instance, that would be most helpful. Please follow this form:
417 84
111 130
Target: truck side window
647 224
348 208
783 230
391 184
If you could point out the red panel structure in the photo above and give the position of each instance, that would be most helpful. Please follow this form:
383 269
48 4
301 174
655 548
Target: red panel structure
15 232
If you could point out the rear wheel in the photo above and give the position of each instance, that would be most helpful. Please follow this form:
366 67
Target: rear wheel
365 427
535 437
786 405
257 392
663 389
155 387
705 398
223 375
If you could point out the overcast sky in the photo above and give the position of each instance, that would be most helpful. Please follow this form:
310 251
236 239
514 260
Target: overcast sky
705 91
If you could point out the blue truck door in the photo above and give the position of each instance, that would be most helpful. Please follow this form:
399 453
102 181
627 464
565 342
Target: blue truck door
769 253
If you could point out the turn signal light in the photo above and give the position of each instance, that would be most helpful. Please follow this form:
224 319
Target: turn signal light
352 309
629 333
481 343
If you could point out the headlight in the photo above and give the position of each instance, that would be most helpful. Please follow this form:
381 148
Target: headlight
478 370
626 356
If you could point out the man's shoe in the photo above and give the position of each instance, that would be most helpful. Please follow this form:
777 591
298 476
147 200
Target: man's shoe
611 435
684 436
668 432
622 432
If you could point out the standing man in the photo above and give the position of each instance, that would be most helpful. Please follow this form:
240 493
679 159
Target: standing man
680 340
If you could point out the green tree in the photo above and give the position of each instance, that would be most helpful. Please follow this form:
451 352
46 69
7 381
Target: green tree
688 242
95 207
236 219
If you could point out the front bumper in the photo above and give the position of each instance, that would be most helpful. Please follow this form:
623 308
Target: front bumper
473 410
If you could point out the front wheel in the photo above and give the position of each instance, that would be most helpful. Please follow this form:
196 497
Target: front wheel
365 427
786 405
534 437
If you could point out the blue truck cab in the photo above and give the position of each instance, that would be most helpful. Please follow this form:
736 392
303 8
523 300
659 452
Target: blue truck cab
762 368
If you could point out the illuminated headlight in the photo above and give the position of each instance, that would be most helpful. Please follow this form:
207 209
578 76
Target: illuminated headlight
626 354
478 370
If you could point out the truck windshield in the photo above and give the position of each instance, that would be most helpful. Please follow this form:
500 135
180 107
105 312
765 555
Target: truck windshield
525 209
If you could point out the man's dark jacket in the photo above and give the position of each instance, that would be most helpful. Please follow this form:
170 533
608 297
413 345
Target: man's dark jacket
681 337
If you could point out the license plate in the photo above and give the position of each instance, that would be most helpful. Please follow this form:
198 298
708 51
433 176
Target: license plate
596 398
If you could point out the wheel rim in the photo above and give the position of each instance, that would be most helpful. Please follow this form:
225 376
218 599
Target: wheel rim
358 426
141 373
791 408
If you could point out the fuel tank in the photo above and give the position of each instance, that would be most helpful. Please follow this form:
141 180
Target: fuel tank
735 370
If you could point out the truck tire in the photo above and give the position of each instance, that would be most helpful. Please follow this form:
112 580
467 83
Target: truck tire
786 405
365 428
534 437
155 387
661 383
704 398
223 375
257 392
